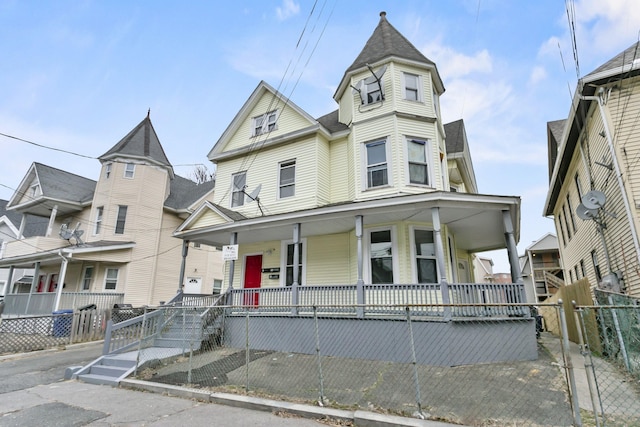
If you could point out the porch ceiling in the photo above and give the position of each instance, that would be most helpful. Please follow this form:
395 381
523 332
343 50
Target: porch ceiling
475 220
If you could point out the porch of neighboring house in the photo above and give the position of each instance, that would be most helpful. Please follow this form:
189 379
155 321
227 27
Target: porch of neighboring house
64 278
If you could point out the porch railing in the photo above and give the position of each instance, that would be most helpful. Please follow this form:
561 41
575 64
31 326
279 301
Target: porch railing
428 299
43 303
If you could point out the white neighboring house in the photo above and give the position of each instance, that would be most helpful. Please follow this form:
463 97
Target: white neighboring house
9 231
541 268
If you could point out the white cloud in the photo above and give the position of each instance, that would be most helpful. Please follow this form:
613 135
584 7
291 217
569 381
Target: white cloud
454 64
289 8
538 74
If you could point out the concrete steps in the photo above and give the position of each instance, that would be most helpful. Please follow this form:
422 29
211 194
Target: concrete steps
107 370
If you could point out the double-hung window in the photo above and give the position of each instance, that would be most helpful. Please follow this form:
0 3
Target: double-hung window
87 277
121 219
111 279
98 224
290 265
107 170
417 154
238 183
376 160
596 265
411 87
287 179
129 170
425 253
264 123
381 256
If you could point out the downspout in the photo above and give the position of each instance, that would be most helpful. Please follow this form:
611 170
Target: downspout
614 160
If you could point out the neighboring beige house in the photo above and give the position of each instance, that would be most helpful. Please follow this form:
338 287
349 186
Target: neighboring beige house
594 190
541 268
110 240
377 192
483 269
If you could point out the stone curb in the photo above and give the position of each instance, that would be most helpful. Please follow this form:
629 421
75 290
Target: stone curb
359 418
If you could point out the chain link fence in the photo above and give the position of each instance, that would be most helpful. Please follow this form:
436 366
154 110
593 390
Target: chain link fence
481 371
611 350
24 334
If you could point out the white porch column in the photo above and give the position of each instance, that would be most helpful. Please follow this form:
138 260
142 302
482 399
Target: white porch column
185 251
440 260
23 223
296 262
34 283
52 220
8 287
61 277
360 283
512 249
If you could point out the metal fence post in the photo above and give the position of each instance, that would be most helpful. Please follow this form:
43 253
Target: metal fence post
246 334
588 362
415 367
142 334
566 352
616 323
320 376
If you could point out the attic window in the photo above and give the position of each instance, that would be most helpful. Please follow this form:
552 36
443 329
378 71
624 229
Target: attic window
264 123
35 190
129 170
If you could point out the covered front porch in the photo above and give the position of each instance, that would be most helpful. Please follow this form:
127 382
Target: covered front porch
64 278
341 263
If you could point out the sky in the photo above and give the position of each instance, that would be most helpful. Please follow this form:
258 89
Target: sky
77 76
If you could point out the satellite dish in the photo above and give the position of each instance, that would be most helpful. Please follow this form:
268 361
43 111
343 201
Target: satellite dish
65 233
377 76
585 213
254 193
594 199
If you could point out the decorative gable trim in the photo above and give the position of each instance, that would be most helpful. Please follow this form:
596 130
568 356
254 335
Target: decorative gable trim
23 188
4 220
244 114
204 209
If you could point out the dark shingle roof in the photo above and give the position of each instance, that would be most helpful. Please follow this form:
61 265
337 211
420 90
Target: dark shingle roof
235 216
455 136
556 127
34 225
330 121
183 192
141 142
625 57
59 184
386 41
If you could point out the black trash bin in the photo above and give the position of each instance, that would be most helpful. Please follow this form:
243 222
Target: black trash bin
88 307
62 320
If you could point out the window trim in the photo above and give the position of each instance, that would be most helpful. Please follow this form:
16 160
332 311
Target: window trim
283 261
235 191
121 223
365 164
84 277
281 166
366 253
428 161
571 215
129 170
576 179
596 266
418 88
414 256
107 170
265 124
106 278
98 221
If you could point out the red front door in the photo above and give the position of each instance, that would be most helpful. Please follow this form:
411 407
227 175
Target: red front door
252 278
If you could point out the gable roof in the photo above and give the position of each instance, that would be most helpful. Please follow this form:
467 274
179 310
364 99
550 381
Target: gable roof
183 192
141 143
626 57
455 136
34 225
